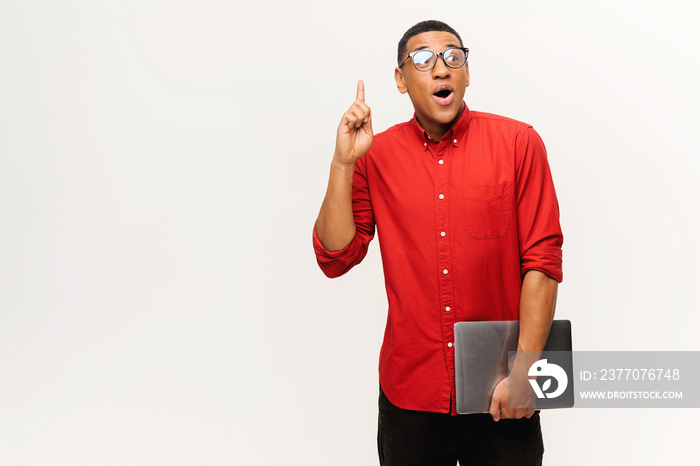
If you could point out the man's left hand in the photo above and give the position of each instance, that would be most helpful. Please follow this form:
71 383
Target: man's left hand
499 403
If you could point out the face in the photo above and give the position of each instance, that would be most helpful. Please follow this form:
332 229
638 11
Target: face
435 111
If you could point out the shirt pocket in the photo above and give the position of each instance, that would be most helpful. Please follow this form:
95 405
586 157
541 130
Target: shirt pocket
489 210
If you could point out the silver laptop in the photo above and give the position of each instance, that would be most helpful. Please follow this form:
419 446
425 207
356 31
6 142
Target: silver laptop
481 361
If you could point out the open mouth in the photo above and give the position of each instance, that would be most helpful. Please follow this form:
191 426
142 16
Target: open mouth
444 95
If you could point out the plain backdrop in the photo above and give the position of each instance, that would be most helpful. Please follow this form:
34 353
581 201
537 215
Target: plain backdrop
161 167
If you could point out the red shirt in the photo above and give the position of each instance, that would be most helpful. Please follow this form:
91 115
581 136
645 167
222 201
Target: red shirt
460 221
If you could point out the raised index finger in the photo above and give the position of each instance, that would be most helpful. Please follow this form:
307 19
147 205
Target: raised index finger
360 90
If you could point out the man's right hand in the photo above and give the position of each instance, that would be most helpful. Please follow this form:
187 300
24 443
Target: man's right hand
335 225
355 134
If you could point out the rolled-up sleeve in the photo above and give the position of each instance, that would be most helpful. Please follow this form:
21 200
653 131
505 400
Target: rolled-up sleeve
336 263
539 232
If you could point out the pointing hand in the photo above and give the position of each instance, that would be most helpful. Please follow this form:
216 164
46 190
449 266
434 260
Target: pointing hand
355 134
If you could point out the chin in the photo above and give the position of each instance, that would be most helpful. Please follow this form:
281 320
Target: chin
448 115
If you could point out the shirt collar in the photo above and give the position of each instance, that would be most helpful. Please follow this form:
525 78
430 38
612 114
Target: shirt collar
455 133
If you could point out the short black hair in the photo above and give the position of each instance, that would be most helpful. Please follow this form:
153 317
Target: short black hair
423 26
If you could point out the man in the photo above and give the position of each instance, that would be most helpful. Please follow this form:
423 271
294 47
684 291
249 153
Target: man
468 225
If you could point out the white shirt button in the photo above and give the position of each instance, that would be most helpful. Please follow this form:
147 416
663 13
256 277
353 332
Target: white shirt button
425 144
455 141
442 233
441 161
447 309
449 345
445 271
441 196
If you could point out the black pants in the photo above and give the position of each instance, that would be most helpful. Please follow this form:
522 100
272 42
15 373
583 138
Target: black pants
418 438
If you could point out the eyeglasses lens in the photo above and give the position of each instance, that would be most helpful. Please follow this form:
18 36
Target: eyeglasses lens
424 60
454 58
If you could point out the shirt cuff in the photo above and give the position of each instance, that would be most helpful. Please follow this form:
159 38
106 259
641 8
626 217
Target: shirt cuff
548 262
336 263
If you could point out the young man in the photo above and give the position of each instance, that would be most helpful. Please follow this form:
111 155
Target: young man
468 226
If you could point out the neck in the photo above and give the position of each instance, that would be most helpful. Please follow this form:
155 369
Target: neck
437 130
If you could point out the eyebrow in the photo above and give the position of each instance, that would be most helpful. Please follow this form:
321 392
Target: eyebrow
425 47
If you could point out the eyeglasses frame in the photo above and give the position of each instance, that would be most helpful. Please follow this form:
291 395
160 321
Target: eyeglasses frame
441 54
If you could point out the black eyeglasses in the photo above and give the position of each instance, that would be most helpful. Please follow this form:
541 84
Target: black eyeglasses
424 60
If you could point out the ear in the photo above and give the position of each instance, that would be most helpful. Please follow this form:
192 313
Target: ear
400 81
466 68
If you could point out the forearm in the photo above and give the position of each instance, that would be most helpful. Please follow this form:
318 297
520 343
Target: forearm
538 299
335 226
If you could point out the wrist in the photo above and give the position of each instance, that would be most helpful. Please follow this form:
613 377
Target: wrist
338 164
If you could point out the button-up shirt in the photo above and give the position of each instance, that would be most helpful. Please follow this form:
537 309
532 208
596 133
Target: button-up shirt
460 221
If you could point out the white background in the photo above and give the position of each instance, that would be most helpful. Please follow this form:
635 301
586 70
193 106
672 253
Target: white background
161 167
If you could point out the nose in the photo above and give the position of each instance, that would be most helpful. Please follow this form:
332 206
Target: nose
441 70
